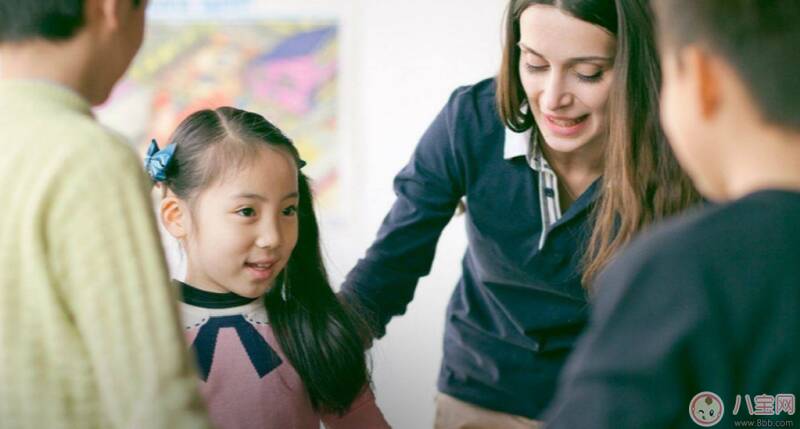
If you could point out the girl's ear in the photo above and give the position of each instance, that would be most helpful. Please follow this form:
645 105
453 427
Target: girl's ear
174 216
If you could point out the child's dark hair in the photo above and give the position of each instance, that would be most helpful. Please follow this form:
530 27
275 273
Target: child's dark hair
758 38
322 338
47 19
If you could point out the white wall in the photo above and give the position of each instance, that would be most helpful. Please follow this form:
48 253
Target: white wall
401 60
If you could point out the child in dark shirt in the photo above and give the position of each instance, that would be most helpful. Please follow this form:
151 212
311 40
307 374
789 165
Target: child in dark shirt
696 324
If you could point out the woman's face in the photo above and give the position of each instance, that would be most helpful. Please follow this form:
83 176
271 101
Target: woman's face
566 68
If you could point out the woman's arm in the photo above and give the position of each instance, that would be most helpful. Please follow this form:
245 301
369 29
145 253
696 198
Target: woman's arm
428 189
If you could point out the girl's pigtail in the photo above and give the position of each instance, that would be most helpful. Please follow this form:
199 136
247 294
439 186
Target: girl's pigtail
321 337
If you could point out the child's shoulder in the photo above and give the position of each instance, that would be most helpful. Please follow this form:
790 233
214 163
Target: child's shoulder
55 125
715 231
713 247
88 146
86 134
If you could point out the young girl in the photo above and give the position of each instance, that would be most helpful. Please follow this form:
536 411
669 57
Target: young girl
275 347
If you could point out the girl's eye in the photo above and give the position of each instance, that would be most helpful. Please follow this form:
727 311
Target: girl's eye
290 211
246 212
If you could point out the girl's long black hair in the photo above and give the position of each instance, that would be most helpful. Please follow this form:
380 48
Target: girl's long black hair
322 338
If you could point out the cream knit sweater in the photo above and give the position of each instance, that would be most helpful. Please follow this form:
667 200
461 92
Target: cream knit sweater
89 335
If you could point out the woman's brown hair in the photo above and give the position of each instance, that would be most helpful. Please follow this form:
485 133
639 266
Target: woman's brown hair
642 181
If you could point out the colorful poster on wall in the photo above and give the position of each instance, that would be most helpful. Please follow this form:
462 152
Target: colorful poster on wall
284 69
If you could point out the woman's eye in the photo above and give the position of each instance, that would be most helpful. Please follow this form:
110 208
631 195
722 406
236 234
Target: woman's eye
290 211
590 76
535 68
246 212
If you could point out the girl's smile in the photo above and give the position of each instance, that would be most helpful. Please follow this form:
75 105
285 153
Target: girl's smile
261 270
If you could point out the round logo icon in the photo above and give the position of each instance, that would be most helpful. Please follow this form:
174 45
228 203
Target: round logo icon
706 409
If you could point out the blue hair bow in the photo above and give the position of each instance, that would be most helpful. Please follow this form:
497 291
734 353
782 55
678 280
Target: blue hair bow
157 161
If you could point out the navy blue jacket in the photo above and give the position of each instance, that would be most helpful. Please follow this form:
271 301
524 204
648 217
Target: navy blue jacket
517 309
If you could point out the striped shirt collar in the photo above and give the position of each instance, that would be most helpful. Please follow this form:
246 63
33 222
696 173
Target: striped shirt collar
527 145
521 144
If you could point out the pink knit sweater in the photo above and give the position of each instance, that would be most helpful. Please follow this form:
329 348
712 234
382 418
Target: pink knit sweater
249 384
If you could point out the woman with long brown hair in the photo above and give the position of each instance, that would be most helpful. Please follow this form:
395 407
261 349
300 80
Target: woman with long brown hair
560 160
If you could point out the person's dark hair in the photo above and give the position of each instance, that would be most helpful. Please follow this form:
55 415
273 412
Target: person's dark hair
642 180
759 39
47 19
322 337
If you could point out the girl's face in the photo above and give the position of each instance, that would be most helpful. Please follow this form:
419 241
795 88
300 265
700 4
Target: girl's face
566 70
244 228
